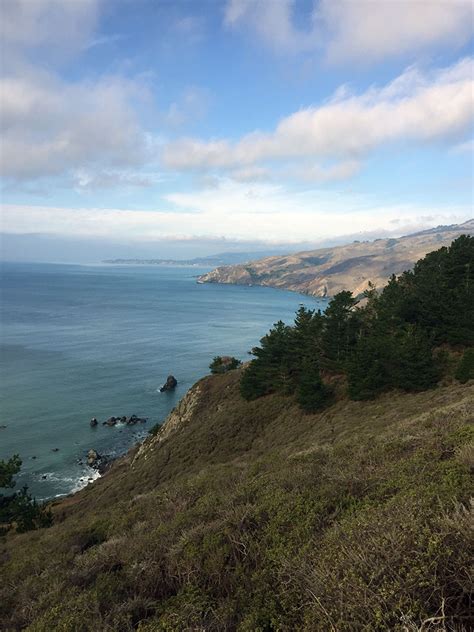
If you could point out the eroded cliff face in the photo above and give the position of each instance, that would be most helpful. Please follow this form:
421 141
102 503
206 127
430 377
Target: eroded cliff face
327 271
180 415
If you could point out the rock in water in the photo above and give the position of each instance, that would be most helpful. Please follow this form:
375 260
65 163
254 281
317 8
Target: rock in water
170 384
93 422
93 458
98 461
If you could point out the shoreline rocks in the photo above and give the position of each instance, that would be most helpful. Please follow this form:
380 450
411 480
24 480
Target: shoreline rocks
97 461
113 421
170 384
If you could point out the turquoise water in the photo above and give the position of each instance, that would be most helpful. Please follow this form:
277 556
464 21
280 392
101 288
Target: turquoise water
94 341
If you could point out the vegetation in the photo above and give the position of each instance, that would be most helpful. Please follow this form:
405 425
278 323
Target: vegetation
301 510
465 370
222 364
18 509
257 516
389 342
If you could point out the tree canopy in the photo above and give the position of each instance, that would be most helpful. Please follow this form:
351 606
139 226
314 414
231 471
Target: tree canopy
385 341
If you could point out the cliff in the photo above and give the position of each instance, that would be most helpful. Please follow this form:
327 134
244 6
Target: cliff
254 516
327 271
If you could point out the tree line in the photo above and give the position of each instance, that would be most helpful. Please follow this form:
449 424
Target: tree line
395 338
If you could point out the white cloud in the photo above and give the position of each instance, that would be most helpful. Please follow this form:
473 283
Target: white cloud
363 30
50 127
332 173
272 22
59 27
239 212
192 106
250 174
368 30
464 148
414 107
92 180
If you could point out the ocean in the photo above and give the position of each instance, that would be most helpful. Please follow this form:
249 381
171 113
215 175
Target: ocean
78 342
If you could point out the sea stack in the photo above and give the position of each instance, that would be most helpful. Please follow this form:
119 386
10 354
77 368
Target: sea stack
170 384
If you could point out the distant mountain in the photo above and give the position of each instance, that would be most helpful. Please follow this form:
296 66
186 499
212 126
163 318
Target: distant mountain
220 259
327 271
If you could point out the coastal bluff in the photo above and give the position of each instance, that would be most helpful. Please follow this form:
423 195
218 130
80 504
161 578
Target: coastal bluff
327 271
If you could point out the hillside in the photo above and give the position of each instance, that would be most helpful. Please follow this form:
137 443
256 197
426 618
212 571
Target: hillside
255 516
327 271
219 259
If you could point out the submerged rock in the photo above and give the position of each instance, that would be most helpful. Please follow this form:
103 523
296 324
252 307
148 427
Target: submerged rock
170 384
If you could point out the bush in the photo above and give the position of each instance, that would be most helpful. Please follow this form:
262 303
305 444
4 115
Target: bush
222 364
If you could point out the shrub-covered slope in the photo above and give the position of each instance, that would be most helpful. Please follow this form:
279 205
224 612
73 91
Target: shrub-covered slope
254 516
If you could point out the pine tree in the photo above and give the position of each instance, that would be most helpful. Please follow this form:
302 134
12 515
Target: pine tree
340 329
465 369
367 371
312 394
19 508
413 368
270 371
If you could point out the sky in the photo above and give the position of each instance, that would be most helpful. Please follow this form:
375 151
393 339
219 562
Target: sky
146 128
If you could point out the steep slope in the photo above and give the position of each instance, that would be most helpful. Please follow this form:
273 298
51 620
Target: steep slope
327 271
253 516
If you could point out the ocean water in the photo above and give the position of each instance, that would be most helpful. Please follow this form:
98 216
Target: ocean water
94 341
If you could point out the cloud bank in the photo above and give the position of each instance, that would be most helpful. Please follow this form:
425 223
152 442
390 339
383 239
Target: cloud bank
357 30
263 212
416 107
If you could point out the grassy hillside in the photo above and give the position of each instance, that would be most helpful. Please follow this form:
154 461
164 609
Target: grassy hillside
327 271
254 516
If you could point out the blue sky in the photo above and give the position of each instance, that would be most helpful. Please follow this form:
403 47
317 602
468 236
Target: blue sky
181 128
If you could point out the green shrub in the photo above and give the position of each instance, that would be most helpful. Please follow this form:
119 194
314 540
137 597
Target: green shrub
19 510
222 364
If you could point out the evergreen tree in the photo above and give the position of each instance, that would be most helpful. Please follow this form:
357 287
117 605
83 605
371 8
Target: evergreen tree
367 369
270 371
413 366
19 508
340 329
388 343
312 394
465 369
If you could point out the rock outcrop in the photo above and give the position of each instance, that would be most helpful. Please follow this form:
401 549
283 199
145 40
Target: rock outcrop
179 416
170 384
113 421
97 461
